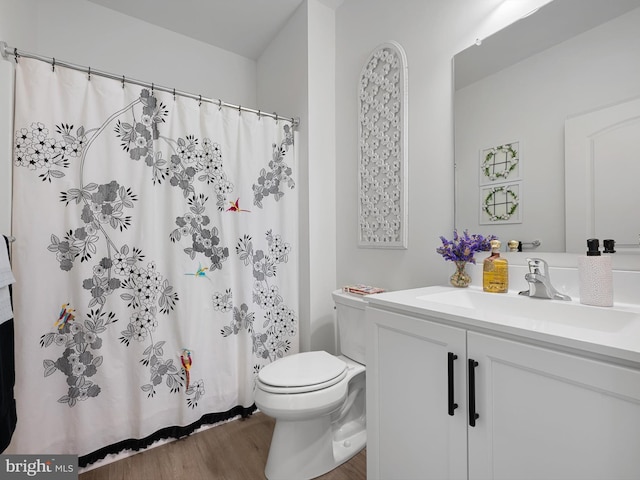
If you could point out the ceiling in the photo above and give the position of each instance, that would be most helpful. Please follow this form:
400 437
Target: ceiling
244 27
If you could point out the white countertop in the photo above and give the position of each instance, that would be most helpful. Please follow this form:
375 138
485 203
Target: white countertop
613 332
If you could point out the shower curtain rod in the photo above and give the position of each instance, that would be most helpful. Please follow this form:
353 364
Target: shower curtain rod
8 52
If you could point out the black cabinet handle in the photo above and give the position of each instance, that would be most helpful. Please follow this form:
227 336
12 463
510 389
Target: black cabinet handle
452 405
473 416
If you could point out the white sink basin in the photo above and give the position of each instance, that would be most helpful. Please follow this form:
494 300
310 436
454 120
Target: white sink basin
536 312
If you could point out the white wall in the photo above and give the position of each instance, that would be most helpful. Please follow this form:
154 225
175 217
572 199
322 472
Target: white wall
84 33
283 79
87 34
297 73
529 102
6 142
431 32
322 173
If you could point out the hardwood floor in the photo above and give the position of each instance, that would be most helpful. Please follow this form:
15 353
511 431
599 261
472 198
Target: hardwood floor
236 450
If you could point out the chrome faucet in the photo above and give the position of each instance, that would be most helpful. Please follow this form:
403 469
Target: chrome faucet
539 281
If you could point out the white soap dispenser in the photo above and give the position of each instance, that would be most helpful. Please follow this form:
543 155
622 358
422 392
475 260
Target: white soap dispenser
596 276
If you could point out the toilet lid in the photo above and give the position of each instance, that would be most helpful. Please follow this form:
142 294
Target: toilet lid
305 369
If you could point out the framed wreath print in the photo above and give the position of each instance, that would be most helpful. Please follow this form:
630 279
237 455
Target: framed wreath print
500 203
500 163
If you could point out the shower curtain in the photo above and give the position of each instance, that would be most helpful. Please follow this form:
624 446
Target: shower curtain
155 257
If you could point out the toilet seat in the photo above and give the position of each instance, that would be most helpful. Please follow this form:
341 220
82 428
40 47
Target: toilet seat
302 373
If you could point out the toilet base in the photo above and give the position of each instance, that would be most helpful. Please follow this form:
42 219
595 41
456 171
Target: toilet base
306 449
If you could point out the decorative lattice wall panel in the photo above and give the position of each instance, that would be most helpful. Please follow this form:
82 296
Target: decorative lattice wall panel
382 133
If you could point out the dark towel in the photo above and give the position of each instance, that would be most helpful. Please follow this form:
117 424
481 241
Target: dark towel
8 417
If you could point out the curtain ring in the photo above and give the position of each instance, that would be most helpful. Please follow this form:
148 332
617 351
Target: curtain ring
174 94
89 74
277 118
219 104
259 115
53 64
199 100
15 53
152 88
239 110
122 81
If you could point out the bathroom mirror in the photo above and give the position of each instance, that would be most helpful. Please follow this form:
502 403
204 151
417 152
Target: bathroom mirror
514 94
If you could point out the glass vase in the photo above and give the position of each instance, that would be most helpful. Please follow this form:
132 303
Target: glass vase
460 278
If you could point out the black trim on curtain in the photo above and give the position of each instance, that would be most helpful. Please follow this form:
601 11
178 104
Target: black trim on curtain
168 432
8 416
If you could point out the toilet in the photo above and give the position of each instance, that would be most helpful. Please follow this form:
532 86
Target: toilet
318 401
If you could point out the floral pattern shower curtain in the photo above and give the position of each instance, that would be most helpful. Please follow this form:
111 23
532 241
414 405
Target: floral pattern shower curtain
156 261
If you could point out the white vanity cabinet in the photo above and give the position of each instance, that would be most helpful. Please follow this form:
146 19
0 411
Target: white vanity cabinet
542 413
545 414
410 432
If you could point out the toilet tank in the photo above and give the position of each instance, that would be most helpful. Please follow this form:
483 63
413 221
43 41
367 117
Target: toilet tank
351 326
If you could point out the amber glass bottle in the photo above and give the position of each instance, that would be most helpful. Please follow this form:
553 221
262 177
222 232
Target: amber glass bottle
495 271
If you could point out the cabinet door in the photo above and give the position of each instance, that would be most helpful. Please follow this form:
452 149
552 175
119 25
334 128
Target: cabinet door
410 434
544 414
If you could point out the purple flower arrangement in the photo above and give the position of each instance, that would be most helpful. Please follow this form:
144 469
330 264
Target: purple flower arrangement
463 247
